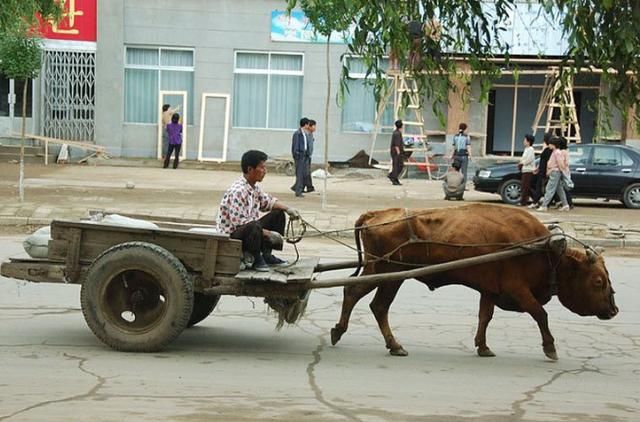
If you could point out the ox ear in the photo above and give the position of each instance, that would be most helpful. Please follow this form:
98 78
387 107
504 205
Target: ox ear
591 256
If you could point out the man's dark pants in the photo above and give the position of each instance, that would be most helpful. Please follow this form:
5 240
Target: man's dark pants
397 164
308 183
301 171
463 159
253 241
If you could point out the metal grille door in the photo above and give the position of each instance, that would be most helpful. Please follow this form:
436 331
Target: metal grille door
68 95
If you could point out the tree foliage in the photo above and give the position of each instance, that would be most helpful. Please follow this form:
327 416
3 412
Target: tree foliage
604 34
20 56
21 15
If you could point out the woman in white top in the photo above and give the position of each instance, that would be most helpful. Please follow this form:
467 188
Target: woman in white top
527 166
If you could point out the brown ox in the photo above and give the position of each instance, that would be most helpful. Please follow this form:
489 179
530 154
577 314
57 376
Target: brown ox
523 283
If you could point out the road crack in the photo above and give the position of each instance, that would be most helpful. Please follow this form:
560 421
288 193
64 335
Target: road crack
81 361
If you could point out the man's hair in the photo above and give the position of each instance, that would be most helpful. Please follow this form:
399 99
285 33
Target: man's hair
312 122
530 138
252 158
398 124
175 118
165 107
555 142
547 137
462 127
304 121
456 165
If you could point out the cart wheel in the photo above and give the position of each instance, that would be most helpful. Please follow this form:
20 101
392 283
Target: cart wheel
289 169
203 305
137 297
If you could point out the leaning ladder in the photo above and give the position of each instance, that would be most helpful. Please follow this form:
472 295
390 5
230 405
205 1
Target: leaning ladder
560 106
403 86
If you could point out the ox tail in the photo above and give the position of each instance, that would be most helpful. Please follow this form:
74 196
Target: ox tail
356 233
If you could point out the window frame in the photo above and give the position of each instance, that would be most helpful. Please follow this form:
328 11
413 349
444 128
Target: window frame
357 76
158 68
269 72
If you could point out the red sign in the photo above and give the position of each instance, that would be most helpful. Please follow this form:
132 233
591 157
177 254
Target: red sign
78 22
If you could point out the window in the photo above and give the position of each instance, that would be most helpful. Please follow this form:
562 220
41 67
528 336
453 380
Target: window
267 90
359 108
607 157
150 70
578 156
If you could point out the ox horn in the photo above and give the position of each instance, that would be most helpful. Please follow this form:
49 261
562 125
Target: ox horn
591 255
599 250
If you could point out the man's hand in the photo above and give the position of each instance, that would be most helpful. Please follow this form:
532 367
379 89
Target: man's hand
275 239
293 213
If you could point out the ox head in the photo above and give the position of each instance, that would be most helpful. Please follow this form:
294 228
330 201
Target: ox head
584 286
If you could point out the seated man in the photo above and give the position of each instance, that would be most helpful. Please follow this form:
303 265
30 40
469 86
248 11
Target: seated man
239 216
453 182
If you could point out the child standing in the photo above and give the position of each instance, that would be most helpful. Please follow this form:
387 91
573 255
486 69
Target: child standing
174 132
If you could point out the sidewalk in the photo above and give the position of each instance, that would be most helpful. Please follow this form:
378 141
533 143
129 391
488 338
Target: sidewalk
70 191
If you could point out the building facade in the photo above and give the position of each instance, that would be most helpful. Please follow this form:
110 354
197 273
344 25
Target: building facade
241 74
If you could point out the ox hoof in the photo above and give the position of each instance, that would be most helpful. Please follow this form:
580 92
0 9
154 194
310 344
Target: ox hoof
485 352
335 336
398 352
551 354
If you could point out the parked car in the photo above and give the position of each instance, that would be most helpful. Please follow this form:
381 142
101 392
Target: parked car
597 170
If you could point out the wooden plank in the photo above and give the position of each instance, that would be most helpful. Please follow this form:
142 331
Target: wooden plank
73 254
210 257
271 276
555 243
37 272
301 272
193 260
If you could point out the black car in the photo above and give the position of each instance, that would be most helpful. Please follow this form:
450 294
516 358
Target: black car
597 171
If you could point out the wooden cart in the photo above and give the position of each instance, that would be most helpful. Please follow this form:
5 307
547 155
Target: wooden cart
140 288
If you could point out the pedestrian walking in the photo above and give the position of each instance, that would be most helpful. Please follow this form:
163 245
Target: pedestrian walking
397 154
540 172
174 132
299 151
462 149
527 165
555 167
567 183
308 182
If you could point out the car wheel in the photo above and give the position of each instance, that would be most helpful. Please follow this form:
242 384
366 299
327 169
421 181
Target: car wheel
510 191
631 196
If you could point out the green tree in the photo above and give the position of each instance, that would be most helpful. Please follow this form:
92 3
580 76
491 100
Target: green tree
600 33
328 16
20 52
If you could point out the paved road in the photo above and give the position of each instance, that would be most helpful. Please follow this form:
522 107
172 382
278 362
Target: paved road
235 366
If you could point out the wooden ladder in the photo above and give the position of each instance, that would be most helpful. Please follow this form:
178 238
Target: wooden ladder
560 106
403 88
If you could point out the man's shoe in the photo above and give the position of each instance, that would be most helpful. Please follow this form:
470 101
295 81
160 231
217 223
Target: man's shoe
309 190
293 188
390 178
396 183
274 260
542 209
300 195
260 265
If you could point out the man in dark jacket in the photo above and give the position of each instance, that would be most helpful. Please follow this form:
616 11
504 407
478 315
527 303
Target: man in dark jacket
541 171
300 151
397 154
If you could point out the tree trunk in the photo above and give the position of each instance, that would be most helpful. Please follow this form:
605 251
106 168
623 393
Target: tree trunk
326 125
22 132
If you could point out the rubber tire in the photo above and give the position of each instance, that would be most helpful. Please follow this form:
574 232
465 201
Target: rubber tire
203 305
626 196
506 191
156 261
